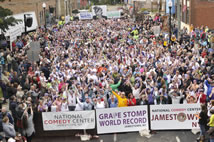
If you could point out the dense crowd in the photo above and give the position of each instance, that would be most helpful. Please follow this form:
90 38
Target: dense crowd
96 64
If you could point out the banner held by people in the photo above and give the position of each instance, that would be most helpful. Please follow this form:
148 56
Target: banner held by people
85 16
178 116
124 119
99 10
113 14
68 120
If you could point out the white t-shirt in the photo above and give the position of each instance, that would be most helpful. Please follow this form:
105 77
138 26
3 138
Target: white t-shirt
64 107
79 105
71 100
53 108
100 105
136 92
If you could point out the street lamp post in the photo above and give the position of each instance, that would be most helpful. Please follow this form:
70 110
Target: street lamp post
151 5
159 6
25 23
170 32
44 6
66 7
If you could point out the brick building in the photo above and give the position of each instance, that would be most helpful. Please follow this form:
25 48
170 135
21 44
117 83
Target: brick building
201 13
83 3
20 6
58 7
197 12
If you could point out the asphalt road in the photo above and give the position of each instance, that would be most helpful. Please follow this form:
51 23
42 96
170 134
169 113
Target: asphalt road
161 136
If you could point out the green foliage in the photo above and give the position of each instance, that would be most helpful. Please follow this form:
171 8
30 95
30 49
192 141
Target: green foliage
6 19
143 9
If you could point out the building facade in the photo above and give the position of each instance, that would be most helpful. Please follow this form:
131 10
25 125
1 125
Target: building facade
197 12
55 8
21 6
202 13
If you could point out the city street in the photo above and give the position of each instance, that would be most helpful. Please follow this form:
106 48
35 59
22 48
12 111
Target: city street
106 71
161 136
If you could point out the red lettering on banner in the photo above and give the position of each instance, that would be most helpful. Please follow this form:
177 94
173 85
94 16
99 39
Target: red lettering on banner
167 117
46 122
194 124
55 121
178 109
164 117
190 116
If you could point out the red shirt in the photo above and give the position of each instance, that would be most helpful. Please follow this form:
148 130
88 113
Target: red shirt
130 102
202 98
203 54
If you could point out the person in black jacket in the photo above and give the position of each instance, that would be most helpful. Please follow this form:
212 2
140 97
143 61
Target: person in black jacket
203 117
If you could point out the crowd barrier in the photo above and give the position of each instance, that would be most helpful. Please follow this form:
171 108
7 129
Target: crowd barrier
116 120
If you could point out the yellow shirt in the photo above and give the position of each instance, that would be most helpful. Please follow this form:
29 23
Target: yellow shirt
122 102
173 39
211 123
165 43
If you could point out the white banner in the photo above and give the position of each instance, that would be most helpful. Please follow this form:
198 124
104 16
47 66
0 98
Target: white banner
99 10
123 119
113 14
85 16
181 116
68 120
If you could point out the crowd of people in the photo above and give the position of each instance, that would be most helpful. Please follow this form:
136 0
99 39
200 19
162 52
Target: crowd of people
85 65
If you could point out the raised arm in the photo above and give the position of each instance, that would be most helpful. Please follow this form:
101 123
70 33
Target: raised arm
114 86
116 95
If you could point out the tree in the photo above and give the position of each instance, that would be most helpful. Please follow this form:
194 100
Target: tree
6 19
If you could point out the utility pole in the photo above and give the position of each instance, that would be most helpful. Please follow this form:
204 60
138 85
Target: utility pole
151 5
179 17
170 26
134 16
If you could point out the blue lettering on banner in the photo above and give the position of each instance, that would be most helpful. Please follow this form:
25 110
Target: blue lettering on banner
85 15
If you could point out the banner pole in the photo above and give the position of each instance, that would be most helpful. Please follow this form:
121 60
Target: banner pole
115 137
149 122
